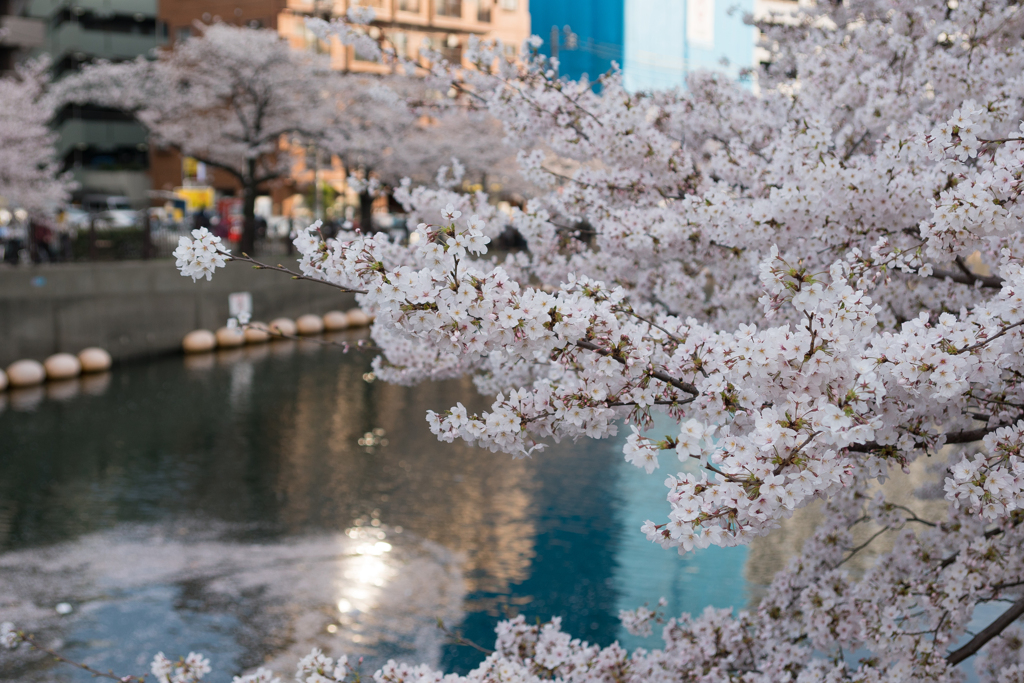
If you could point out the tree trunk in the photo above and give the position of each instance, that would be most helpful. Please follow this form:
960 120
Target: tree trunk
248 245
366 212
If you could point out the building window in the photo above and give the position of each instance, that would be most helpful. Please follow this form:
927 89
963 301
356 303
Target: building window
400 41
483 10
409 5
182 34
112 22
451 50
449 8
509 5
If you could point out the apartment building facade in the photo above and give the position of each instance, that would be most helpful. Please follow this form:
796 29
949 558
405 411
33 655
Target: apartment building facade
409 25
105 149
20 34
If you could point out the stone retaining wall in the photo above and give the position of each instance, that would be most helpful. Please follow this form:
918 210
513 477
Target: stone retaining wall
136 308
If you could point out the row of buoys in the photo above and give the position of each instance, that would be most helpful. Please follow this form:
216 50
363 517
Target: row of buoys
203 341
280 348
59 366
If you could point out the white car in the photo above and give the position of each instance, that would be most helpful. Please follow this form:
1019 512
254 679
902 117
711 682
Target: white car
117 219
76 219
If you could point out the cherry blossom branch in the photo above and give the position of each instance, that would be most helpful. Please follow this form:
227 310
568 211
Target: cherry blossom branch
987 634
657 402
656 374
968 278
913 515
613 188
257 265
992 338
991 533
629 311
965 436
790 456
865 544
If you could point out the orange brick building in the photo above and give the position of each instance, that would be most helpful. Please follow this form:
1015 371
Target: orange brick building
408 25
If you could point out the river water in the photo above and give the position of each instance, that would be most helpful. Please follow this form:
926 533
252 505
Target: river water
252 504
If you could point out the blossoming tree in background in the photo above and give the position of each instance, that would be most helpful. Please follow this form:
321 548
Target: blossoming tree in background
227 98
819 282
29 174
394 127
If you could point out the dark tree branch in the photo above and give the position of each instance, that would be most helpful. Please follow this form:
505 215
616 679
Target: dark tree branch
656 374
966 277
965 436
987 634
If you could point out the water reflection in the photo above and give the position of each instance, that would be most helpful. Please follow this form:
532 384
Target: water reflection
276 497
142 588
263 442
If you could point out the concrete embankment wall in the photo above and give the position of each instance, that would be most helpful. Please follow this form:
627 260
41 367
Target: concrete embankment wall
136 308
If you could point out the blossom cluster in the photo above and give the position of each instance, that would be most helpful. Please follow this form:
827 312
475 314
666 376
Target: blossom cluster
819 282
991 483
200 256
190 669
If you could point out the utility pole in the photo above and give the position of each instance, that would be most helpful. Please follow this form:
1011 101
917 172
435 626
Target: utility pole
554 46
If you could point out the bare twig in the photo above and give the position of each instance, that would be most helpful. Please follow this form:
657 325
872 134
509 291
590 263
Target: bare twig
865 544
344 345
245 258
457 639
95 672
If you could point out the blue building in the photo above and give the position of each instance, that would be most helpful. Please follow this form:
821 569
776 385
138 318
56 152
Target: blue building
667 39
589 34
656 43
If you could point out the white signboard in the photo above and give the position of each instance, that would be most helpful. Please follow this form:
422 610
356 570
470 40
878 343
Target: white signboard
240 306
700 23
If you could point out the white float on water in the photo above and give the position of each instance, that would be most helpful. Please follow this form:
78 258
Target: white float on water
199 341
94 359
309 324
230 337
256 333
335 320
357 317
62 366
25 373
285 326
